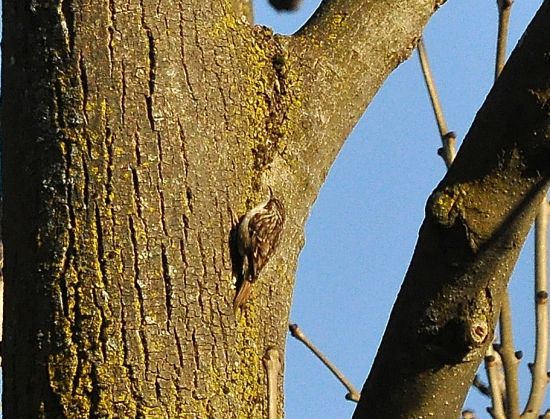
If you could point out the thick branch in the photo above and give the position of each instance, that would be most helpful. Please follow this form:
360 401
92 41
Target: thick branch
349 48
476 222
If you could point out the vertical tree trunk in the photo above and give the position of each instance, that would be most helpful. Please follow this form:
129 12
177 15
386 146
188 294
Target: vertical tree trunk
130 127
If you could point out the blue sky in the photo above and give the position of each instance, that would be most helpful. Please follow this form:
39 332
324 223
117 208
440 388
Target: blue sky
364 225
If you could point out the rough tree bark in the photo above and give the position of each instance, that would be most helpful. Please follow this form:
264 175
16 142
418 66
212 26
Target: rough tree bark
132 130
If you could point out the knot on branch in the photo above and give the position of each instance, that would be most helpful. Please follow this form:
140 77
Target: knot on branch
446 210
444 206
457 334
541 297
477 333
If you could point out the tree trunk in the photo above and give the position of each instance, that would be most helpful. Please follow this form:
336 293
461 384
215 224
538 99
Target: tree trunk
142 128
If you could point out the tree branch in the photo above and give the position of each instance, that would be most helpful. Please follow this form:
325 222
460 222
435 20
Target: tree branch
297 333
504 9
509 359
481 386
348 47
539 368
448 138
493 368
476 222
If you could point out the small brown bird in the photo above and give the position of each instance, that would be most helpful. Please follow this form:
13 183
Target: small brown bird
258 235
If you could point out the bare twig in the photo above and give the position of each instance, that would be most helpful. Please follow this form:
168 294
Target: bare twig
509 359
493 368
448 138
481 386
272 365
539 377
504 8
297 333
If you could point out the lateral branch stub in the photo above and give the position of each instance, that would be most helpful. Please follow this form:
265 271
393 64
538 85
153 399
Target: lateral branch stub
272 365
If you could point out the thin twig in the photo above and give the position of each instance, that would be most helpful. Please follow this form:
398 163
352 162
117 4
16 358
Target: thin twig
506 347
504 8
297 333
539 373
481 386
509 359
493 368
448 138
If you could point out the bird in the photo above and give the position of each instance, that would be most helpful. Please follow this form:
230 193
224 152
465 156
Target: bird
258 235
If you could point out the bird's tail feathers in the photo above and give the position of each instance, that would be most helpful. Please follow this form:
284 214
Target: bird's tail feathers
242 295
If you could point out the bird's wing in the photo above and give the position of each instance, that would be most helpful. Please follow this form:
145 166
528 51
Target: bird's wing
265 231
